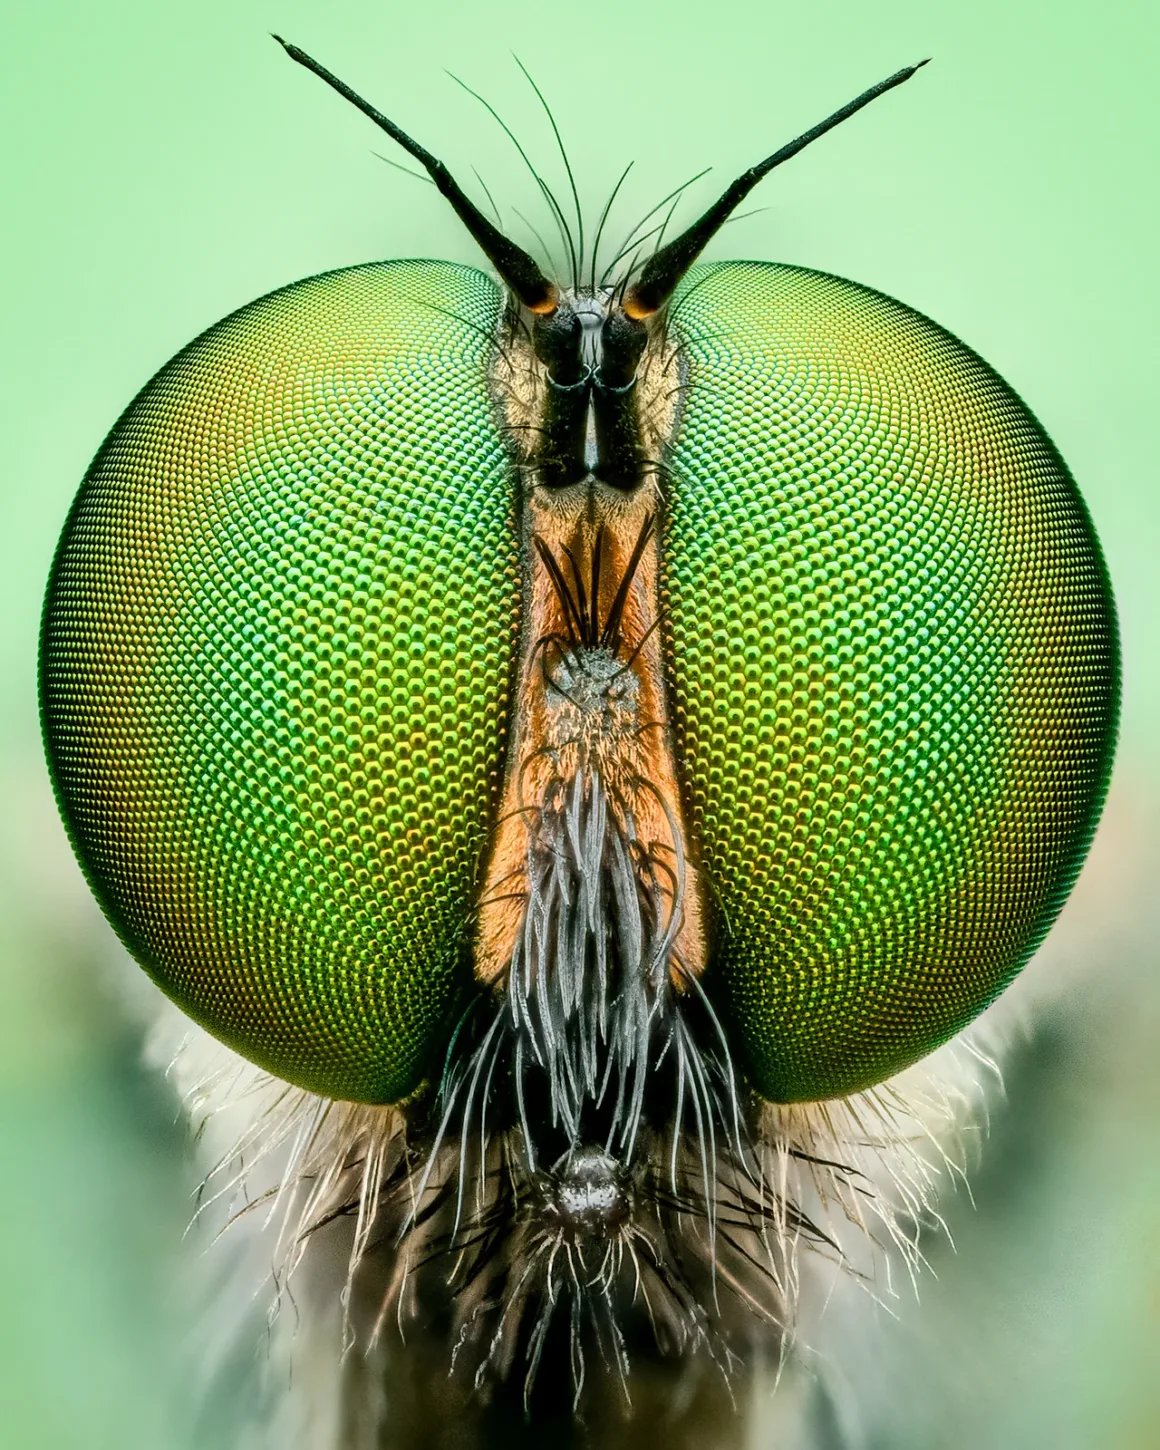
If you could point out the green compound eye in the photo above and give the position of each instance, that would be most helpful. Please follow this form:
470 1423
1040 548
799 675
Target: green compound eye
276 664
754 559
893 654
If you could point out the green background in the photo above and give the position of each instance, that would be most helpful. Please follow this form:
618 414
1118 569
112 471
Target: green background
166 163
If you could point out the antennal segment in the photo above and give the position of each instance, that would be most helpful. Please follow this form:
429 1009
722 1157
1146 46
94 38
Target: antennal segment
518 270
665 268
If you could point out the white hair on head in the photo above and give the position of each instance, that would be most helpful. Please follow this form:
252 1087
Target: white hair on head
292 1183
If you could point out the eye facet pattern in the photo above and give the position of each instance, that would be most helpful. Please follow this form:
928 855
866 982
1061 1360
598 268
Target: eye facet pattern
566 722
275 669
279 646
894 668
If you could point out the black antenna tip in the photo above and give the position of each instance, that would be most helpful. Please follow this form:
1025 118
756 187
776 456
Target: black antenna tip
518 270
921 63
295 52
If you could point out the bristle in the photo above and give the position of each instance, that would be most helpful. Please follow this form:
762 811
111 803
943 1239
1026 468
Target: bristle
849 1184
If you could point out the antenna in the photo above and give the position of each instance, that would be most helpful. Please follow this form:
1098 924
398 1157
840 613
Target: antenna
519 271
665 268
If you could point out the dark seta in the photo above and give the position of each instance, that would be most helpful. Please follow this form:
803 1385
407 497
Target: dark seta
584 1212
582 753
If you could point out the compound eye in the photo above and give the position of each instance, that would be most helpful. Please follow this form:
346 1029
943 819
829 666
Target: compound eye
275 669
278 650
894 665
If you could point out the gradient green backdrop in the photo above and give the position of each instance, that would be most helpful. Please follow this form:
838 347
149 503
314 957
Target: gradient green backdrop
166 163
